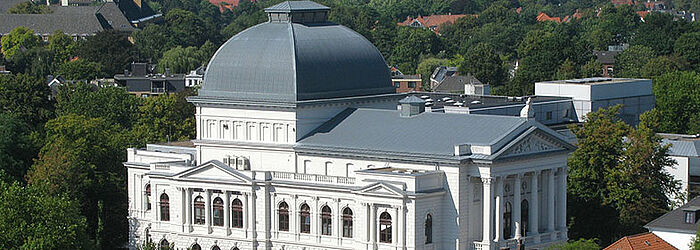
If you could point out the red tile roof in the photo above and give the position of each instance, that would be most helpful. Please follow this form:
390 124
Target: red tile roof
622 2
643 14
432 22
643 241
542 17
226 4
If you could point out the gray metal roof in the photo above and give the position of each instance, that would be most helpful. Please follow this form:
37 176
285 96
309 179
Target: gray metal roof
682 145
411 99
426 133
293 6
291 62
455 84
675 220
72 20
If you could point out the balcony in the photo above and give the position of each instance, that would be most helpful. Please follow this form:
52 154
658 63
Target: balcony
312 178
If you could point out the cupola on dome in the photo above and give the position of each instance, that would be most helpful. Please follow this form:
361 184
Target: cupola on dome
297 55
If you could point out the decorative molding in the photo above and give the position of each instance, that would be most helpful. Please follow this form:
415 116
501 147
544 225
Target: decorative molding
530 145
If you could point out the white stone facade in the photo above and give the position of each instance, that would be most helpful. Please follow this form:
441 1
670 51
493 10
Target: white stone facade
270 171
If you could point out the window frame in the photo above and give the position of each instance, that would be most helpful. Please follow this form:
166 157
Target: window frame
385 228
347 222
428 229
217 212
305 219
236 213
283 217
326 221
199 211
164 207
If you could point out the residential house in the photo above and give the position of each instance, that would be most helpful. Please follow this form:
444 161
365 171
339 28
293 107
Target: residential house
462 85
607 58
143 81
407 83
685 151
679 226
227 4
440 74
195 77
642 241
138 12
75 21
430 22
3 70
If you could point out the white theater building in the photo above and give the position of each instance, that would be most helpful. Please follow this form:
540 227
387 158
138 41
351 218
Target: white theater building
302 144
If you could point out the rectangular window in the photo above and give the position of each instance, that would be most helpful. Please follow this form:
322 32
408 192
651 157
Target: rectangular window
549 115
689 217
412 85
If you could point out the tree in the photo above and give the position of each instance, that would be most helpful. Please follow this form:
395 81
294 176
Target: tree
29 7
426 68
27 98
592 68
688 46
79 159
109 48
31 219
580 244
617 179
113 104
167 117
80 69
659 32
152 41
410 45
678 101
186 28
18 39
568 70
16 146
61 45
695 244
181 60
661 65
542 53
629 63
483 62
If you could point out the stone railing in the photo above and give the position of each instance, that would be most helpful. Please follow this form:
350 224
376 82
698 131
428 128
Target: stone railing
313 178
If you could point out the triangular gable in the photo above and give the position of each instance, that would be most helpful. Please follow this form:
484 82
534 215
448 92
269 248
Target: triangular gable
533 141
381 189
215 171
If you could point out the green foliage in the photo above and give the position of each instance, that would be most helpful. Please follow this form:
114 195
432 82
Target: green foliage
26 97
426 68
687 46
16 147
541 52
18 39
580 244
410 45
29 8
567 70
678 101
659 32
616 185
185 27
112 104
629 63
152 41
80 69
592 68
32 219
182 60
695 244
167 117
62 46
483 62
661 65
109 48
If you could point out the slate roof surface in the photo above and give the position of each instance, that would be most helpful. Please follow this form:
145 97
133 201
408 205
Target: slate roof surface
425 133
606 57
442 72
682 145
290 6
455 84
675 220
643 241
71 20
291 62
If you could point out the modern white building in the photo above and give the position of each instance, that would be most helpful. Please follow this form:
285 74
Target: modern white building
195 77
685 151
591 94
300 145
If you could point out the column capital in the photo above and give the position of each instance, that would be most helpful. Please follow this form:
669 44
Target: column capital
487 180
536 172
520 175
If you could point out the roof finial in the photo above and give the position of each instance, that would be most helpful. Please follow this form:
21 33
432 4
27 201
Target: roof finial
527 111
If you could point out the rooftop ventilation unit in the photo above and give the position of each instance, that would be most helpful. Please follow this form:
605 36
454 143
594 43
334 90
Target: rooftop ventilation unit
425 97
446 98
478 102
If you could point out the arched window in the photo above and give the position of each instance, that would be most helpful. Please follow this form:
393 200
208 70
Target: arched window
199 211
148 197
507 220
164 245
326 220
215 248
218 212
525 217
385 228
347 222
305 219
237 214
164 207
428 229
283 217
196 247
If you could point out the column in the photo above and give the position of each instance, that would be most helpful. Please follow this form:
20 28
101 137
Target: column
246 212
486 203
550 201
183 204
402 227
207 209
395 227
373 224
498 217
534 206
253 226
338 222
562 201
188 208
516 204
227 212
155 202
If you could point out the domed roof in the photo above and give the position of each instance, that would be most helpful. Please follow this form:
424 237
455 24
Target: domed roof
296 56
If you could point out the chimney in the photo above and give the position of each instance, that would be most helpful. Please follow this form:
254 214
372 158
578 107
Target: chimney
463 149
411 106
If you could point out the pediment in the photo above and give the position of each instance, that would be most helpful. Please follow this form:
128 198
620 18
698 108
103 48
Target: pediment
534 142
213 171
381 189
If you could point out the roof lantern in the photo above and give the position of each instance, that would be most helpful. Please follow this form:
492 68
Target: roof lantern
298 12
411 105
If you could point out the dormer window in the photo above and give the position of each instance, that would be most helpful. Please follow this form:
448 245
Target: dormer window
691 214
689 217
